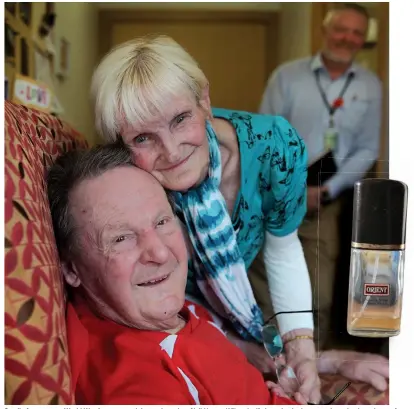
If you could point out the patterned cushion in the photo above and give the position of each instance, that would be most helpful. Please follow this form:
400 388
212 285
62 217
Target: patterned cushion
36 360
358 393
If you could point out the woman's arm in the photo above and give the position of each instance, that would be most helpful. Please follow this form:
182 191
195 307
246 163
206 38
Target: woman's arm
290 290
289 283
285 263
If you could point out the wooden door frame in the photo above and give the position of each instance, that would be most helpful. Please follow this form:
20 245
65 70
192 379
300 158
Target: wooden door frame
383 68
318 13
108 18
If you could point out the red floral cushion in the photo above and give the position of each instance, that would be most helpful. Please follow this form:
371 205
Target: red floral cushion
36 361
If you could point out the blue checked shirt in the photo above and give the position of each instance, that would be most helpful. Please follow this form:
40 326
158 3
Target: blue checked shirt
293 93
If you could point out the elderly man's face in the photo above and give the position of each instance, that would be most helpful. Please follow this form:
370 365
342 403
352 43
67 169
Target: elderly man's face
345 35
133 260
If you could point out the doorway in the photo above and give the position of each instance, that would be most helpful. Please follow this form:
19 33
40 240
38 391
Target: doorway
236 50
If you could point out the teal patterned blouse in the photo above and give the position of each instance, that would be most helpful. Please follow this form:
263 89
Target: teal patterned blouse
272 194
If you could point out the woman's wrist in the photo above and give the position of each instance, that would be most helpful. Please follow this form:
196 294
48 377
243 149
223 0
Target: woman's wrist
297 334
299 345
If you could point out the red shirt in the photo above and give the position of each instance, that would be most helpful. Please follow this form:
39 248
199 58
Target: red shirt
114 364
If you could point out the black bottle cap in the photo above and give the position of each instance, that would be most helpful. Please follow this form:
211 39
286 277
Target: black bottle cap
379 214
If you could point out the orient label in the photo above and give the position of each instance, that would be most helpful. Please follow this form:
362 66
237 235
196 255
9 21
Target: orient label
377 289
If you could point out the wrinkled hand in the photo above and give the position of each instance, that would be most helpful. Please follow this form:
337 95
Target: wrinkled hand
301 357
363 367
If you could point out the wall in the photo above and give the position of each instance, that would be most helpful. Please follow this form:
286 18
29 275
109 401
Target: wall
294 31
78 23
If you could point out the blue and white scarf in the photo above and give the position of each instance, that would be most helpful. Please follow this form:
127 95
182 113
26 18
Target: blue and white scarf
219 268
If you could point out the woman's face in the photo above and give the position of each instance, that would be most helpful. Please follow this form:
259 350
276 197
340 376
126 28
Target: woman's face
174 147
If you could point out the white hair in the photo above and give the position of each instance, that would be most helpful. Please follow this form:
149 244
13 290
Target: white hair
328 17
343 7
135 81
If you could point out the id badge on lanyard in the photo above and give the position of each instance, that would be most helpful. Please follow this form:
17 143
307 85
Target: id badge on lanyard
330 140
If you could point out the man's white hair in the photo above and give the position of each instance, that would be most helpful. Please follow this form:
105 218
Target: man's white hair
135 80
342 7
328 17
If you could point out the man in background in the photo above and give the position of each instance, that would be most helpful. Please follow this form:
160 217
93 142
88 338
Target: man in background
335 105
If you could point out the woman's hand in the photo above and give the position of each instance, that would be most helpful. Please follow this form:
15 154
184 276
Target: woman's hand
357 366
301 357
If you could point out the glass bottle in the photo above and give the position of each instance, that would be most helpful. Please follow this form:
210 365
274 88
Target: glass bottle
377 258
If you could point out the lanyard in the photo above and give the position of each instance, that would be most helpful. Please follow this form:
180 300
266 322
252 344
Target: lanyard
332 108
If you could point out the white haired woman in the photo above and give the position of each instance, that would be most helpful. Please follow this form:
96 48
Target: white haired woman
239 182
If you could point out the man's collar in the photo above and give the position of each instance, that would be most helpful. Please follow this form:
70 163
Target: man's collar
317 64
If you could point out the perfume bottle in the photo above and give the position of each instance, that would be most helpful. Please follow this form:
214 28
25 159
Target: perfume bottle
377 258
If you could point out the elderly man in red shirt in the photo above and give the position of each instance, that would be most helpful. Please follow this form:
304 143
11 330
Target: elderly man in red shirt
132 338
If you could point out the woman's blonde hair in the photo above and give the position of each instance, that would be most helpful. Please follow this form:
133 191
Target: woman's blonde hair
136 79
